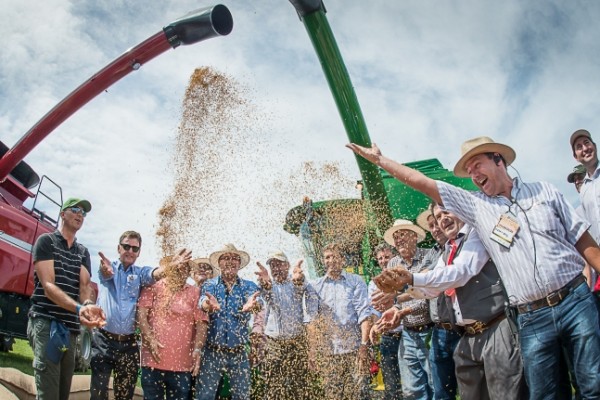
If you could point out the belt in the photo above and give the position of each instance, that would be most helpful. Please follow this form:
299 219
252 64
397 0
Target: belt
225 349
419 328
553 299
118 338
477 327
444 325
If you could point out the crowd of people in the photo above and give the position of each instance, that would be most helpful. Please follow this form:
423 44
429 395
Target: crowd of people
503 306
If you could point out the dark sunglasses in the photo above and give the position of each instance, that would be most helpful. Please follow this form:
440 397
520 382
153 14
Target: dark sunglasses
230 258
128 247
77 210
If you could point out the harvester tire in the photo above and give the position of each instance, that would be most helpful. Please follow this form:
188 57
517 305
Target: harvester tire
83 351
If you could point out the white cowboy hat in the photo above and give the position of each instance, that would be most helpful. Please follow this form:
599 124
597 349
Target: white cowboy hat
215 268
423 219
229 248
277 255
403 224
480 145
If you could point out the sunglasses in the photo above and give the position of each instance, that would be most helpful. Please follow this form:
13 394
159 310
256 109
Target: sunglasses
128 247
77 210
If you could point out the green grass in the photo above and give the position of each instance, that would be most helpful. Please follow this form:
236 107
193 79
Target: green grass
19 358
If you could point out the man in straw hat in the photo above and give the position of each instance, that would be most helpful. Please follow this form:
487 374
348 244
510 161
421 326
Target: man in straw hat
538 244
414 354
444 337
229 300
285 368
115 347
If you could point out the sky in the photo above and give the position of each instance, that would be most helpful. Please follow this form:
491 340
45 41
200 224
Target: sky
428 75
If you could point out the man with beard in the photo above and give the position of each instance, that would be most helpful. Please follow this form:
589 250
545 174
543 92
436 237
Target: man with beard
229 300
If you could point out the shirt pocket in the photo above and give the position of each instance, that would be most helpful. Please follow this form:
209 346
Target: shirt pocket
133 286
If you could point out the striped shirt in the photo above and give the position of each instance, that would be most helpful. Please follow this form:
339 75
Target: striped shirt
590 208
420 307
542 257
67 267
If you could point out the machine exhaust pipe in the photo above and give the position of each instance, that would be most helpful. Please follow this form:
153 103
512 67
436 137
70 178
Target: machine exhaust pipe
194 27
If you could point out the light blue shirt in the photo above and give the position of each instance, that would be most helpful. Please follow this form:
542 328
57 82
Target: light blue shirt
542 257
118 296
344 304
229 326
285 315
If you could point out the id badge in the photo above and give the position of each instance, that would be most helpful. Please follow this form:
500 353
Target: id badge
505 230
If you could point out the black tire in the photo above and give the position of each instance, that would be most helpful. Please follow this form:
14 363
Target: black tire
6 343
83 352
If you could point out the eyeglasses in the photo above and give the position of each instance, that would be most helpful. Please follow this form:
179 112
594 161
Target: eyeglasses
230 258
128 247
77 210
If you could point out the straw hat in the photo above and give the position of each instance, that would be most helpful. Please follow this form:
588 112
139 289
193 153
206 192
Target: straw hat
229 248
277 255
480 145
423 219
403 224
198 261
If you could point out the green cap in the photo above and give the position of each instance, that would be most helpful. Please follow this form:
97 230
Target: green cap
578 170
73 201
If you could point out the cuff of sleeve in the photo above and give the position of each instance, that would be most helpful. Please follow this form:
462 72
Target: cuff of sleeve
419 279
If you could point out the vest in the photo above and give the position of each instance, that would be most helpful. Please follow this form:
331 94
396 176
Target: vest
482 298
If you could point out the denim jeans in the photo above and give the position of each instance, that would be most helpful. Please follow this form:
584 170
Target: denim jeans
573 324
214 363
390 368
172 385
416 383
443 375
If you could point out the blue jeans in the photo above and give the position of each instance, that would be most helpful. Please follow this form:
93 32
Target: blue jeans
214 363
414 355
158 384
573 324
390 367
443 343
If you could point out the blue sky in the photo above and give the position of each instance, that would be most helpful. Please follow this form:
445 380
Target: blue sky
428 75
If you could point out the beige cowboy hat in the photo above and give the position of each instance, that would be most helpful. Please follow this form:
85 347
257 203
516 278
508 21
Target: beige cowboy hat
423 219
215 268
403 224
277 255
480 145
229 248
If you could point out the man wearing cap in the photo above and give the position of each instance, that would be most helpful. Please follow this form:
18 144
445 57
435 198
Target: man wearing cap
201 271
414 354
577 177
586 152
389 346
285 368
115 346
538 244
339 318
444 337
229 300
62 299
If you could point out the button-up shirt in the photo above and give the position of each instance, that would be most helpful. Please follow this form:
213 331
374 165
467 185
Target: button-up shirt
229 326
119 293
589 209
420 307
284 312
343 304
542 257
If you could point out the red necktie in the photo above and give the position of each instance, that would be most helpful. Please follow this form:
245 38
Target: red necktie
453 248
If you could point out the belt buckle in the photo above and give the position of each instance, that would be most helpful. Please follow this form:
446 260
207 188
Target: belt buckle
475 328
553 299
447 326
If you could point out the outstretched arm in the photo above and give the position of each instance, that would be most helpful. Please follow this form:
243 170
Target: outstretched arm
404 174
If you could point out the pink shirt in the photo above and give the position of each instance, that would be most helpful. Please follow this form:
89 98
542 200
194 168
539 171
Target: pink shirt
173 320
